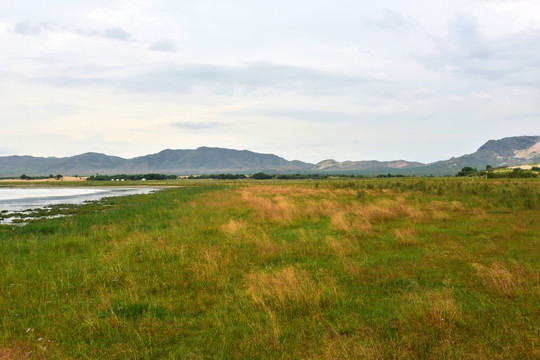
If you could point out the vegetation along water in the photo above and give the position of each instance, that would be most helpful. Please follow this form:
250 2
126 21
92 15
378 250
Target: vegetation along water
397 268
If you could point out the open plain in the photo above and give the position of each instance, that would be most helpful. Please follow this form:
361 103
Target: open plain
404 268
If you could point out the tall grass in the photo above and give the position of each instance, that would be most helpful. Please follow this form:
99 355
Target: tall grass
367 269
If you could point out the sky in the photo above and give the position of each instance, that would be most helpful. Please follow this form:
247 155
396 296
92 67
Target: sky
420 80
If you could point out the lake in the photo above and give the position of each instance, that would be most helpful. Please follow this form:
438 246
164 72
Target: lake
21 199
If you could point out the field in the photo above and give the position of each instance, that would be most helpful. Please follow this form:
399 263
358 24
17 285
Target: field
365 269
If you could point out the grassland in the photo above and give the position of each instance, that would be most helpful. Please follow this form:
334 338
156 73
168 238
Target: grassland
367 269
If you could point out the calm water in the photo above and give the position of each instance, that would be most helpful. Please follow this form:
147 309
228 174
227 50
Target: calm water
20 199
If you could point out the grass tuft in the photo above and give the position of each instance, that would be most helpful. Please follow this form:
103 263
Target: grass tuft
291 290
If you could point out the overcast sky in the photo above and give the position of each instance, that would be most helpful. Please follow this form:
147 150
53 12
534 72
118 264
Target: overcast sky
419 80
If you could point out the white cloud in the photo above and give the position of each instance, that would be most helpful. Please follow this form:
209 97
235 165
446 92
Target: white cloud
27 29
191 125
117 33
163 45
389 20
222 79
466 50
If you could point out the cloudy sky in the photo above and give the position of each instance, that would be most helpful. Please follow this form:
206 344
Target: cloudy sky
419 80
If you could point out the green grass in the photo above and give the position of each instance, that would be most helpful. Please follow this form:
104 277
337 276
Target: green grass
367 269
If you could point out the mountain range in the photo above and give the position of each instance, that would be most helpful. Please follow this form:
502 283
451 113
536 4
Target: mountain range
205 160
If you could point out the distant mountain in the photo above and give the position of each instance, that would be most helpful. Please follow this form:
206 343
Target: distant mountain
204 160
509 151
212 160
363 166
504 152
199 161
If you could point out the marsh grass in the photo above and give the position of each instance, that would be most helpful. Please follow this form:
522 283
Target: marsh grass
367 269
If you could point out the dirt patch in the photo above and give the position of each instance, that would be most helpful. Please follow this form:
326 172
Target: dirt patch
65 178
15 352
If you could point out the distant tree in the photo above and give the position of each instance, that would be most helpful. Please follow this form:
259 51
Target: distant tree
51 176
467 171
59 177
24 177
261 176
488 171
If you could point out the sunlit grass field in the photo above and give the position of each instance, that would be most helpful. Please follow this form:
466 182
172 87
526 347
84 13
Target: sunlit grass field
340 269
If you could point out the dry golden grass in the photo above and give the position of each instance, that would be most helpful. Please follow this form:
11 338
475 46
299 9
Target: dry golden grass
480 214
443 210
277 209
360 217
347 254
290 288
340 222
284 205
266 247
452 206
233 227
507 280
388 209
406 237
435 309
336 346
339 247
212 263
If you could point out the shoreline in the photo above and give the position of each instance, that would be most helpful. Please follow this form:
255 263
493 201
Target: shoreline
21 205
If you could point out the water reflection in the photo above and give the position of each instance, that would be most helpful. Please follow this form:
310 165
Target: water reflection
13 200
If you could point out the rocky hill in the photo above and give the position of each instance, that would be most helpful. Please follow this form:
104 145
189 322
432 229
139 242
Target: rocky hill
509 151
504 152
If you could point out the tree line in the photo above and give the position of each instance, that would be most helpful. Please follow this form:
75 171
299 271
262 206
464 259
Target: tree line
26 177
491 174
